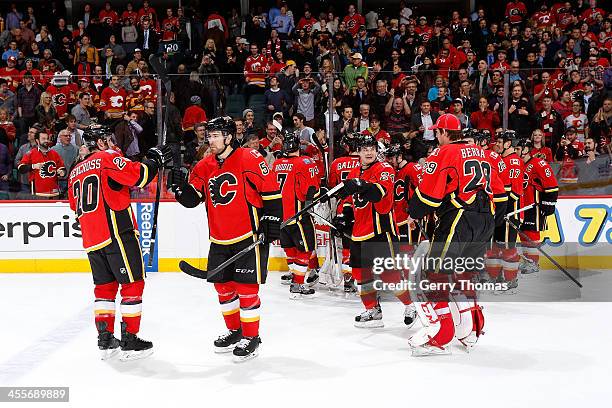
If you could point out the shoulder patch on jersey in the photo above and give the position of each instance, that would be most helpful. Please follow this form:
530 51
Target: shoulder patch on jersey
307 160
255 153
435 151
542 163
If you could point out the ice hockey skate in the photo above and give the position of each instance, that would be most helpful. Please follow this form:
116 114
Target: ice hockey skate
227 342
370 318
286 278
511 288
133 347
312 278
107 342
247 349
528 268
428 350
300 291
410 315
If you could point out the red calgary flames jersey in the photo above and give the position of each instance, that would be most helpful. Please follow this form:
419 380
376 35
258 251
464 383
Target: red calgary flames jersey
539 184
340 169
373 218
452 176
298 179
255 69
43 181
62 97
113 101
498 165
406 181
98 193
234 191
515 168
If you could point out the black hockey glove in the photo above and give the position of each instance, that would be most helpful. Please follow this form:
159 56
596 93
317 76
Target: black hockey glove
344 222
351 187
323 194
547 207
160 155
269 225
177 179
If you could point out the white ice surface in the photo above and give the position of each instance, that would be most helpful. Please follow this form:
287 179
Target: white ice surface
533 354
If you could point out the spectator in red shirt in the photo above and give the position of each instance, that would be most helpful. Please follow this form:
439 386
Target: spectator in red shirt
538 149
353 20
193 114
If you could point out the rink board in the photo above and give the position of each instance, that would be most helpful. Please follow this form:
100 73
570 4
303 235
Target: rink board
44 236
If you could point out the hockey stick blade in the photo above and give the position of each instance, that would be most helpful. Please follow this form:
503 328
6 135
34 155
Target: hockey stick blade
202 274
192 270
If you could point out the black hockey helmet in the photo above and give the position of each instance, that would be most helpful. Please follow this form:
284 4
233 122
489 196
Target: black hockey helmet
351 141
93 134
482 136
469 133
393 151
510 136
524 142
291 141
223 124
368 140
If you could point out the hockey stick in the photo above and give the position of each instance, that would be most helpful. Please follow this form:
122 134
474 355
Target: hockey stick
314 202
202 274
539 248
520 210
329 224
167 85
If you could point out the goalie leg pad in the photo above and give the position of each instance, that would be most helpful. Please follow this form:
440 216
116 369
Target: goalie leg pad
438 328
131 305
230 306
250 304
104 305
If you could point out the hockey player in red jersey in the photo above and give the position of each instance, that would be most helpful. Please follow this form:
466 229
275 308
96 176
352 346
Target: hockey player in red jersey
45 167
298 178
541 189
457 185
503 257
235 184
406 181
368 215
338 172
98 192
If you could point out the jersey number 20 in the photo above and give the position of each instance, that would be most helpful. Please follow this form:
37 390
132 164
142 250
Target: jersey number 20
86 195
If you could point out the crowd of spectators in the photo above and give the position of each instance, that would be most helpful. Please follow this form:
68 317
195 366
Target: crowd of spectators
392 73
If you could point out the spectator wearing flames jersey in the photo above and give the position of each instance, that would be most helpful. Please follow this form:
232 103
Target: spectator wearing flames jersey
108 15
170 26
256 67
515 12
44 166
113 99
353 20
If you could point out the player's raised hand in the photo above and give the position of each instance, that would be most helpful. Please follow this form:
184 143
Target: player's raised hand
160 155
